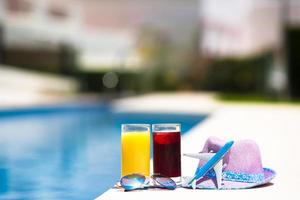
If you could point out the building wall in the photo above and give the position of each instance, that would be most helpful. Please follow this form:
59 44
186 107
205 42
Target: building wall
239 27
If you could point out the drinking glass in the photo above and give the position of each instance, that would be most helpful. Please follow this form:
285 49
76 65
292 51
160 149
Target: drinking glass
166 149
135 145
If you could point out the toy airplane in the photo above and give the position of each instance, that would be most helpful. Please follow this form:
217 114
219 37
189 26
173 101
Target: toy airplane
213 161
206 157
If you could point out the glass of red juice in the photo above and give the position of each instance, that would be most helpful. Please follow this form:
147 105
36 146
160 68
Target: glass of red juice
166 150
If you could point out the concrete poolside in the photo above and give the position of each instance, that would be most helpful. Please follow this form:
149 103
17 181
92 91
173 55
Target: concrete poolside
275 127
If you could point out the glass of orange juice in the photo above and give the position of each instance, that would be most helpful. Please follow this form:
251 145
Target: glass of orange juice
135 145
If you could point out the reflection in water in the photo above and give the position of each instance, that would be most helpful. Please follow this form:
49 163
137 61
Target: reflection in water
73 155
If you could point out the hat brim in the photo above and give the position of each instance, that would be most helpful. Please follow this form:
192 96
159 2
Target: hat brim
206 183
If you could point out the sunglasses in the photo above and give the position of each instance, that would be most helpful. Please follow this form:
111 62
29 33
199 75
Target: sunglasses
138 181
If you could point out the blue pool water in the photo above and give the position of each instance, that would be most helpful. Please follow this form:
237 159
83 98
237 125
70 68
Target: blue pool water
66 153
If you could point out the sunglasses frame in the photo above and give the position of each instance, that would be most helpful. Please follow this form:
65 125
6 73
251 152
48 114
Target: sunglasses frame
155 177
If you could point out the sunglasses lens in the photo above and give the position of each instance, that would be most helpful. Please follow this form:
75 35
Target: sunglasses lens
132 181
166 182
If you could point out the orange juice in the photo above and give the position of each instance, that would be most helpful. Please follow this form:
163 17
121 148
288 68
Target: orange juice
136 152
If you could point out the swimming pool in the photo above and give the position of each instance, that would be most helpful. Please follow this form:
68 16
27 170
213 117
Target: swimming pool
66 153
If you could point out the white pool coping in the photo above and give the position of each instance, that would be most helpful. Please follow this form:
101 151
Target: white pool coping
276 128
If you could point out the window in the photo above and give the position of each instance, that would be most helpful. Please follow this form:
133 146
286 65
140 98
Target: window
19 6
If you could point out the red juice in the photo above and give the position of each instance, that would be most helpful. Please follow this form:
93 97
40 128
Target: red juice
166 153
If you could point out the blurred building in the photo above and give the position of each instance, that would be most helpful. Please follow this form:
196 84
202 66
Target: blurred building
35 37
164 41
239 27
38 34
115 29
249 28
104 32
141 36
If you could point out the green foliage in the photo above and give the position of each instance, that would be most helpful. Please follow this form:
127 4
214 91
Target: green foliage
246 75
253 98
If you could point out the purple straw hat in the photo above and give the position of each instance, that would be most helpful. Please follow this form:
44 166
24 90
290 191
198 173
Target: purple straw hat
242 166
